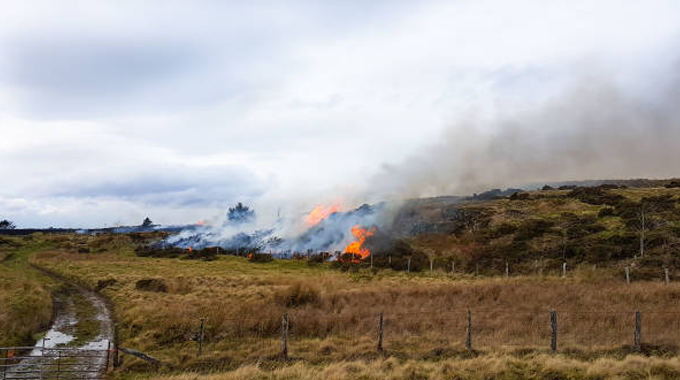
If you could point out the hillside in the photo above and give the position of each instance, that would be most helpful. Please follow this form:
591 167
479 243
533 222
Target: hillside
540 230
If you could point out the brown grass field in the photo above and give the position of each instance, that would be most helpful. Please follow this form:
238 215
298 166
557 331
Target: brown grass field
25 304
334 318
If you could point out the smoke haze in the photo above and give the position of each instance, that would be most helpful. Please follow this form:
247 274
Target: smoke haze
594 130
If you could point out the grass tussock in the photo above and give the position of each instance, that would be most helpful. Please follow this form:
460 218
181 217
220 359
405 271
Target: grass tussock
298 294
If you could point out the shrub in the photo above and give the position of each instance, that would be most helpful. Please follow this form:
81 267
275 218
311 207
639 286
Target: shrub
596 195
605 212
260 258
152 285
297 294
532 228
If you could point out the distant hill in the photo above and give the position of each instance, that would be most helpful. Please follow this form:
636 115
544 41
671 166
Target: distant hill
600 225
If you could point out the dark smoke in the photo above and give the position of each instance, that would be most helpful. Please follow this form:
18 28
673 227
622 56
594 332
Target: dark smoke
593 131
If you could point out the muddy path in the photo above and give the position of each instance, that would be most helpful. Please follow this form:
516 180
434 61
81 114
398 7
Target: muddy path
80 334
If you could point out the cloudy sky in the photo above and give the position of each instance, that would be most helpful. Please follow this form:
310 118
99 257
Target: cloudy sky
114 110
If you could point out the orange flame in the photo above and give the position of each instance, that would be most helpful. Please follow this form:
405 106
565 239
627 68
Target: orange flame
190 249
355 247
200 222
320 213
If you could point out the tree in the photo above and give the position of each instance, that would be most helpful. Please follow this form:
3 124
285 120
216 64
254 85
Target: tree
147 222
644 223
7 225
240 214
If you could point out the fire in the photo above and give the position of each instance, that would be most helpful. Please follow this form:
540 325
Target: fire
200 223
190 249
320 213
360 234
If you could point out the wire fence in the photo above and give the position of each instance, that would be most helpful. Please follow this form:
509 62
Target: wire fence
433 333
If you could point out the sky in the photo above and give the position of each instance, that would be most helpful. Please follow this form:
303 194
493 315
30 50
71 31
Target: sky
111 111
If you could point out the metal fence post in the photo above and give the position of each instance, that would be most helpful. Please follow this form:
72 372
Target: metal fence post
200 337
380 333
638 331
468 340
284 336
553 332
564 269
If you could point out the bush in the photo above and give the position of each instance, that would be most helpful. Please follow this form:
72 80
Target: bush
152 285
532 228
260 258
298 294
597 195
605 212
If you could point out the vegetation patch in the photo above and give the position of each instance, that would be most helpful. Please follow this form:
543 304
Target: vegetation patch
152 285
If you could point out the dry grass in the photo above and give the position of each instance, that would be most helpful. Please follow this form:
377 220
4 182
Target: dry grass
334 315
25 301
537 367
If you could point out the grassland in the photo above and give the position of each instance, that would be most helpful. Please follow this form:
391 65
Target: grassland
501 367
159 302
334 315
25 293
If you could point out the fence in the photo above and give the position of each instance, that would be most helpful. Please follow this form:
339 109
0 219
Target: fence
433 333
52 363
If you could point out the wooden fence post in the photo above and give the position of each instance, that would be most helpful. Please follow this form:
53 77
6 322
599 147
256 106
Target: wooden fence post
507 269
108 358
665 271
116 362
371 259
468 339
59 362
638 331
431 264
453 267
389 259
553 332
408 266
564 269
627 275
380 333
284 336
200 337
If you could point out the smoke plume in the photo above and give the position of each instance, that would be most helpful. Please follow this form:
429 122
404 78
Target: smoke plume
594 130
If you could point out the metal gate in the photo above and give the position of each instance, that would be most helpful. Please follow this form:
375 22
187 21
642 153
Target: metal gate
52 363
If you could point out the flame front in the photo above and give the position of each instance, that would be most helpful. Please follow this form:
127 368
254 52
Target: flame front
320 213
355 247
